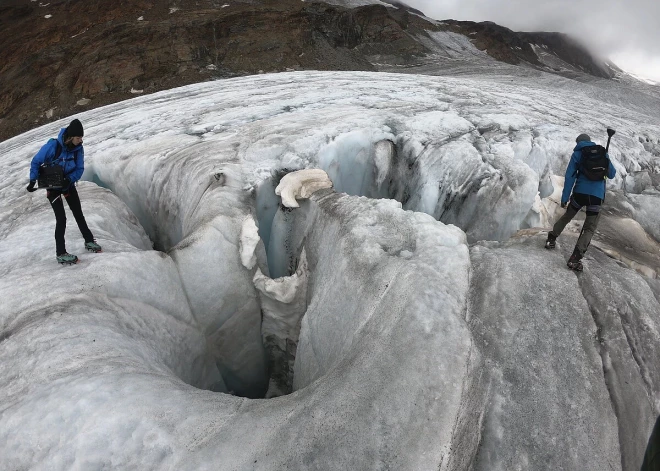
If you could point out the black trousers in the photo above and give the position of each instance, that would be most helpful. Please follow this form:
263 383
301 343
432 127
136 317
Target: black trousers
577 201
71 195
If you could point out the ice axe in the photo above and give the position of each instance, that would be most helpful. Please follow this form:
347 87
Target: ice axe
610 133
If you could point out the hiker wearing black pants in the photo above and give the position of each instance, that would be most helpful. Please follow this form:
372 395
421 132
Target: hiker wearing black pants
584 186
67 152
55 197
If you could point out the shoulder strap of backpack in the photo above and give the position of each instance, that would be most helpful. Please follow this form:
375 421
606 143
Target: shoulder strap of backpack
58 151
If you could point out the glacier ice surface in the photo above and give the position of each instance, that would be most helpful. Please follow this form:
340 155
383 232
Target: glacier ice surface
435 331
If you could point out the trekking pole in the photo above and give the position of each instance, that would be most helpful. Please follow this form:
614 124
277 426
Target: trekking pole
610 133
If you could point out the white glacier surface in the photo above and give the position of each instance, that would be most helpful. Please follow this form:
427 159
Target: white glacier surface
404 316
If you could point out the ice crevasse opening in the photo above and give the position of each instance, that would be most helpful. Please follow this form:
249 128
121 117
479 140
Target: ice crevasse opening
197 210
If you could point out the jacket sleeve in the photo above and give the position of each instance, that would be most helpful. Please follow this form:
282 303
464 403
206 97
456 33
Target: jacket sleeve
46 151
570 177
611 171
80 166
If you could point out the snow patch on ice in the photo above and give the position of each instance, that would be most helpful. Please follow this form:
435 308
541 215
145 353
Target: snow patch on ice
248 243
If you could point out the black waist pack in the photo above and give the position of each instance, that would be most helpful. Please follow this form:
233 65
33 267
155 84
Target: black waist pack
51 174
50 177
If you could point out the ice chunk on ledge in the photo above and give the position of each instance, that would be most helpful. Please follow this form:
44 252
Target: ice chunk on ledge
248 243
301 184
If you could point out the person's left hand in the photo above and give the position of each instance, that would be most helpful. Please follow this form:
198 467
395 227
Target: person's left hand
563 204
31 187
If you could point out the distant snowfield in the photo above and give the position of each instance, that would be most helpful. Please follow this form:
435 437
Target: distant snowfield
412 308
643 79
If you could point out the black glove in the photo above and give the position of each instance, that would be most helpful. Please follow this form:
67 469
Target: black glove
31 187
564 203
66 183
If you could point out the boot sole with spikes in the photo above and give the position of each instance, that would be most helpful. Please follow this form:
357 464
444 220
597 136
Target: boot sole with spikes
68 262
575 266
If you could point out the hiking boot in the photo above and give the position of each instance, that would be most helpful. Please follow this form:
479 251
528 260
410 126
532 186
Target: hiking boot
67 259
574 262
575 265
93 246
550 243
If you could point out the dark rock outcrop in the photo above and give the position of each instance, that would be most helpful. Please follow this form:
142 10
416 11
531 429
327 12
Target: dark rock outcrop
514 47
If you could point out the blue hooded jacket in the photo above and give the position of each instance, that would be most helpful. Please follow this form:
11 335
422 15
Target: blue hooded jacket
577 183
73 166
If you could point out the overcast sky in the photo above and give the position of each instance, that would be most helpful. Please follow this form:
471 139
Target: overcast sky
627 32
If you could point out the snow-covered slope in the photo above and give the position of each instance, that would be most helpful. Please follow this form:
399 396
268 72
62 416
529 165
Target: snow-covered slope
435 332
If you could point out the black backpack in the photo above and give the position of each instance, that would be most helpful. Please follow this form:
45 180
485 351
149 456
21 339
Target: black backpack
594 163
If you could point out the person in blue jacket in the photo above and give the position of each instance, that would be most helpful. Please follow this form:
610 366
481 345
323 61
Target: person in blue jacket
580 191
69 144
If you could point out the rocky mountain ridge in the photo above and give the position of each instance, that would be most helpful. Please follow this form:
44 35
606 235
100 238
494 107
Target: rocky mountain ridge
515 48
67 56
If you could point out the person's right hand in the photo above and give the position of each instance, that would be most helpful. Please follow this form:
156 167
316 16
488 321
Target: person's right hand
563 204
31 187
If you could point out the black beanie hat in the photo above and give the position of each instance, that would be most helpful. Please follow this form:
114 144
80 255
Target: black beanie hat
75 129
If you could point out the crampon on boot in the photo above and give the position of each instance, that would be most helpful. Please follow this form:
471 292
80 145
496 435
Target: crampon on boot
550 243
67 259
574 262
93 246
